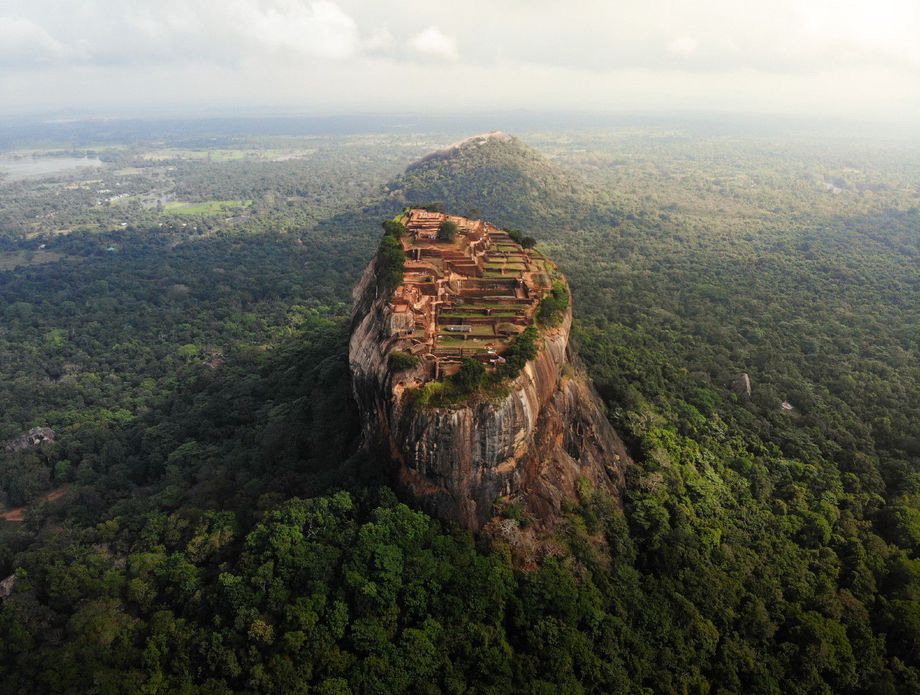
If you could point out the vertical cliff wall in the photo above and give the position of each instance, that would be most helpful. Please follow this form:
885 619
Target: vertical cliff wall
535 442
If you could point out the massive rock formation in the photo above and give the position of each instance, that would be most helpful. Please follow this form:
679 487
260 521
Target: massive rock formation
534 444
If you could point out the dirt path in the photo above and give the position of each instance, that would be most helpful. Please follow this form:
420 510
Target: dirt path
19 513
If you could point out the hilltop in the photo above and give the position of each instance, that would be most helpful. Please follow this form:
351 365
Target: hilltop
497 176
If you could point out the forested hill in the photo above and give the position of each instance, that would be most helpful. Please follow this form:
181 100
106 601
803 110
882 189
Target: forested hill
216 533
497 176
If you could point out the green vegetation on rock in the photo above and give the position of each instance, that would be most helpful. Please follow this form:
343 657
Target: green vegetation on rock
394 228
522 349
391 261
447 231
471 375
553 305
399 361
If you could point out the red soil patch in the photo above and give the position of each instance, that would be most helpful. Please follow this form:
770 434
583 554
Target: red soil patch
18 514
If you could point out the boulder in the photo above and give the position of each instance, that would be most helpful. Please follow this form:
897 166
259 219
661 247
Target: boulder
35 437
6 586
742 385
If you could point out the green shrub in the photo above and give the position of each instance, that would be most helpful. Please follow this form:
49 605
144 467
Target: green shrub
391 260
554 304
435 394
522 350
517 236
470 376
394 229
400 361
514 510
447 231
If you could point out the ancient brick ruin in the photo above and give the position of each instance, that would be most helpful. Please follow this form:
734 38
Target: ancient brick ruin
467 297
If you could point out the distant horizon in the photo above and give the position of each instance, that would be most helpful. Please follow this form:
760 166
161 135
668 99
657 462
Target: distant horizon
258 121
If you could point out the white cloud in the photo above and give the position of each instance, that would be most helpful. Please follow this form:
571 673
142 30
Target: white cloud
378 40
22 37
434 43
780 55
683 46
224 31
318 29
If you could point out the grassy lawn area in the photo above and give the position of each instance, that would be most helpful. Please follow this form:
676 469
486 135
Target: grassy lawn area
459 314
479 343
478 330
208 207
472 306
16 259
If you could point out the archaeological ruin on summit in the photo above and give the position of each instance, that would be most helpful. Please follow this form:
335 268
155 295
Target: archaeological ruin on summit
468 289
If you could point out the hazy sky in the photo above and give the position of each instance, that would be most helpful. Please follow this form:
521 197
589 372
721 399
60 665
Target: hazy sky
851 58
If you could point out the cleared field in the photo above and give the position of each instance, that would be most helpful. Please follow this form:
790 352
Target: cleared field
201 155
226 154
18 259
208 207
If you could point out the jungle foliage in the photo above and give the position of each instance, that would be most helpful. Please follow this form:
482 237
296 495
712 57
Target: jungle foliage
219 533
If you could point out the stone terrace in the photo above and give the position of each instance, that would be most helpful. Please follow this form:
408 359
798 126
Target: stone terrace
467 297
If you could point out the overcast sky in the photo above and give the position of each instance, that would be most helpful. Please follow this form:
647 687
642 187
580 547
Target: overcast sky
850 58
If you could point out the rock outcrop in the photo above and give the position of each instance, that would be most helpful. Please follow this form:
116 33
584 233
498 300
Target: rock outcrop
741 385
534 443
6 586
35 437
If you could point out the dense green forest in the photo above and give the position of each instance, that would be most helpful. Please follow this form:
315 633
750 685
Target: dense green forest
220 532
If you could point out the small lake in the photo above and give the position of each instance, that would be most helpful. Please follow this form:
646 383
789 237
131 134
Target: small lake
18 168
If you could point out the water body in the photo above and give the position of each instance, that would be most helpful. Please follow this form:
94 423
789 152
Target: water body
18 168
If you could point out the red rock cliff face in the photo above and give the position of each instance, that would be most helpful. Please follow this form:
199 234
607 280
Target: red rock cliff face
535 443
